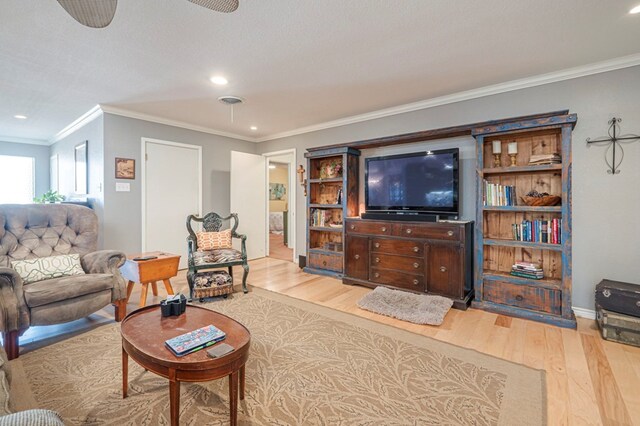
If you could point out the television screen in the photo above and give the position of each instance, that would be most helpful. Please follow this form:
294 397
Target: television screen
424 182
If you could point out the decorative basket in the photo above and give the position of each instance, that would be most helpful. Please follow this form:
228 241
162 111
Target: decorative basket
211 284
547 200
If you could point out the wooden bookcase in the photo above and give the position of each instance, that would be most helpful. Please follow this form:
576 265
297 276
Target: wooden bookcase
332 196
547 299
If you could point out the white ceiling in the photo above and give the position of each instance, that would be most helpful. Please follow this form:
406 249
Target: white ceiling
296 62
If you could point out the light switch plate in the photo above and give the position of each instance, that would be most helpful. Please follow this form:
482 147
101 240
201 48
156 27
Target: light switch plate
123 187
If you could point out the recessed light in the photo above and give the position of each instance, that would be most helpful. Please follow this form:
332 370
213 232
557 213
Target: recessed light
20 117
271 166
253 128
219 80
635 10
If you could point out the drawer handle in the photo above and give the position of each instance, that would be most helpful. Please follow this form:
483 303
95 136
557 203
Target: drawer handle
377 275
352 227
416 249
357 256
383 229
519 298
408 231
377 260
416 265
638 303
415 282
377 245
443 269
324 263
450 233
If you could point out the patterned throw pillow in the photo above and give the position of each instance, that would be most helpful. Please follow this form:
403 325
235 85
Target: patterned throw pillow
214 240
44 268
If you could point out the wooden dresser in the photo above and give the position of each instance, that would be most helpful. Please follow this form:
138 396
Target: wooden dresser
422 257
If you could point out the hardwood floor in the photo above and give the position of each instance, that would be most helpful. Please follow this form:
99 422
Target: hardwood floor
589 381
277 249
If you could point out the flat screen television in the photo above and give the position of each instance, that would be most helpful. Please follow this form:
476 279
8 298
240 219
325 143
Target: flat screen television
420 182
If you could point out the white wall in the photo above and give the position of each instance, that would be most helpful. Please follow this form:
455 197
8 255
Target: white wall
606 229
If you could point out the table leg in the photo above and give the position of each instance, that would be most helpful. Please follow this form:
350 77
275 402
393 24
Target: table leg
129 289
154 288
125 373
174 398
143 294
167 285
242 382
233 397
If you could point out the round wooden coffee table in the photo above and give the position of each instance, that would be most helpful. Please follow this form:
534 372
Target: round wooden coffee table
144 332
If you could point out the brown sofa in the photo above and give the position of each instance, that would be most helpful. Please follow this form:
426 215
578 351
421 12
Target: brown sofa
42 230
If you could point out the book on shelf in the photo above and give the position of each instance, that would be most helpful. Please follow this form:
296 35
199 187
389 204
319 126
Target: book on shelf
321 218
543 159
499 195
538 231
527 270
195 340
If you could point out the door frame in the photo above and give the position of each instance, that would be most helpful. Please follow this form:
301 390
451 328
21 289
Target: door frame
293 181
143 179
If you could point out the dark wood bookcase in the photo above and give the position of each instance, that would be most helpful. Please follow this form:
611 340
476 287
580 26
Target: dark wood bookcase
547 299
332 196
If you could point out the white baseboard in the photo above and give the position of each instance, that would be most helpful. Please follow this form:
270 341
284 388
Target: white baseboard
584 313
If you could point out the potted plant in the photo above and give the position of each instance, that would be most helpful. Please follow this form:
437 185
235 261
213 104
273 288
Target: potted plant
49 197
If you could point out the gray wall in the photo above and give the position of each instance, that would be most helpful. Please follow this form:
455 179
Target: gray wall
41 155
122 135
65 148
606 231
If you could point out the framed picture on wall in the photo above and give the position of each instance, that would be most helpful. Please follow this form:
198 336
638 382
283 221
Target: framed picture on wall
82 177
125 168
277 191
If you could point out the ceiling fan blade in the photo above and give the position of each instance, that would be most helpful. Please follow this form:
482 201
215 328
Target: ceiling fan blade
91 13
224 6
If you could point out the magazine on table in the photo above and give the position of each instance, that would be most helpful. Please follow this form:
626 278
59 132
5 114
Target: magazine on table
195 340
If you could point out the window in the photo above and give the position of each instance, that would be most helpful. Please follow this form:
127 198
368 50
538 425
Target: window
16 179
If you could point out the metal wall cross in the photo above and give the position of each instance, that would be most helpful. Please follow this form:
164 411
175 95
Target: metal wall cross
613 142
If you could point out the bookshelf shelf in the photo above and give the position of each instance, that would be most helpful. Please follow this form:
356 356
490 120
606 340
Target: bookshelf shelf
524 244
548 299
326 180
325 229
542 209
322 251
326 206
522 169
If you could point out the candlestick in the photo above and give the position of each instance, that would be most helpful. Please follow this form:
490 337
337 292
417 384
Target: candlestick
513 148
497 147
496 160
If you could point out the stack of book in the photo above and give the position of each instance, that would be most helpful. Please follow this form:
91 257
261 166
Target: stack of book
538 231
320 217
499 195
537 160
527 270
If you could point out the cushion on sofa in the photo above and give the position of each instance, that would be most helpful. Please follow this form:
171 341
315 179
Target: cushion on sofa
58 289
44 268
32 418
214 240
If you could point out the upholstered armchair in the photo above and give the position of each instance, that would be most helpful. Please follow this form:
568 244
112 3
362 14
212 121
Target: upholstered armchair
43 230
200 259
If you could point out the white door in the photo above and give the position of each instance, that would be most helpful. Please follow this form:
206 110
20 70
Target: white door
172 181
248 199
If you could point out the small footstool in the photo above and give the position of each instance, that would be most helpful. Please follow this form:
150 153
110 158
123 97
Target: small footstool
210 284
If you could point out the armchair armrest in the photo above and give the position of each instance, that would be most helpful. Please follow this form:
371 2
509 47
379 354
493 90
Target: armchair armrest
243 243
14 314
107 262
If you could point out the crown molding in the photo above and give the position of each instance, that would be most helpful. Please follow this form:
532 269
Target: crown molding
24 140
174 123
78 123
523 83
584 313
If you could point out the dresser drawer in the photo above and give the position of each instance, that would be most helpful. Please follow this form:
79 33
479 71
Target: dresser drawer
523 296
369 227
397 279
400 247
439 232
325 261
400 263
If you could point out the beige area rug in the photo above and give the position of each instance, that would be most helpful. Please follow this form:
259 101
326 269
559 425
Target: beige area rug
405 306
309 365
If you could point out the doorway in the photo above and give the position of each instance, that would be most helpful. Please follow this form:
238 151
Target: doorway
281 187
171 191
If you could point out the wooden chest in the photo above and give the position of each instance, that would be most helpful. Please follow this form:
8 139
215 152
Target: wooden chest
618 327
619 297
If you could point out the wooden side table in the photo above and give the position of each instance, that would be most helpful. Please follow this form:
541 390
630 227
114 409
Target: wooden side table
146 272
